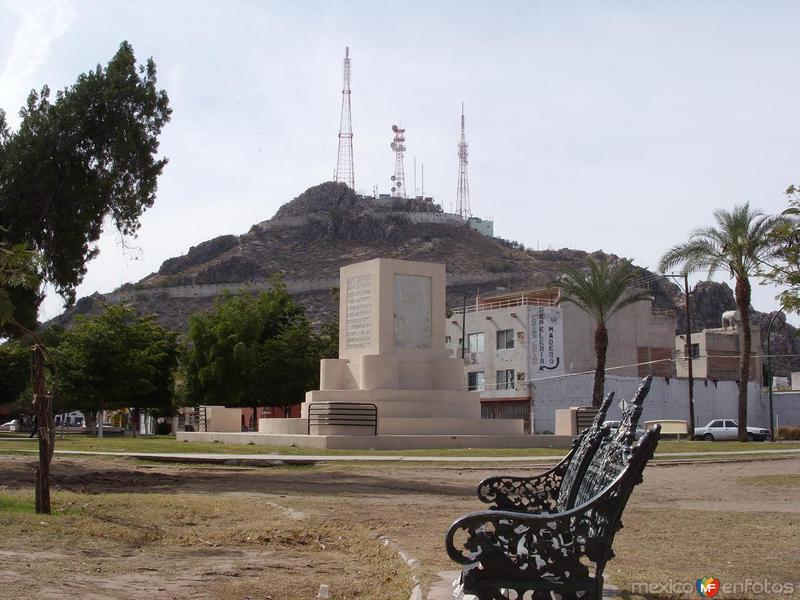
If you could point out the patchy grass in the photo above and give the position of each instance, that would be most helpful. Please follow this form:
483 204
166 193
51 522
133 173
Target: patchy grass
169 445
12 504
190 545
673 548
785 480
125 530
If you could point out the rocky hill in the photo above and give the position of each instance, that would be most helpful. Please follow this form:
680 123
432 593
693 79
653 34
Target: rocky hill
328 226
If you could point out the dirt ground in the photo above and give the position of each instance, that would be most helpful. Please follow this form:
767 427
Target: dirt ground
126 529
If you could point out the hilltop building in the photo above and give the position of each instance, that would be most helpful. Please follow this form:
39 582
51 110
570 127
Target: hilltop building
482 226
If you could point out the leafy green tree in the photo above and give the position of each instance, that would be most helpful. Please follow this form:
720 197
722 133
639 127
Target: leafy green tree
251 351
15 371
741 244
785 270
117 360
601 292
328 337
86 155
19 278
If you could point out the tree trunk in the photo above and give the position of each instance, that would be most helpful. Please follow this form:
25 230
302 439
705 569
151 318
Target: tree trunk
100 416
600 348
136 420
90 421
254 420
743 304
46 429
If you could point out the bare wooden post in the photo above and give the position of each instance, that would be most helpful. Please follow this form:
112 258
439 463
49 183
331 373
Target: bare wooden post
46 428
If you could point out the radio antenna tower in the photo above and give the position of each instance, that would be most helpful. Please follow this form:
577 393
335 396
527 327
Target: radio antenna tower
462 195
399 147
344 159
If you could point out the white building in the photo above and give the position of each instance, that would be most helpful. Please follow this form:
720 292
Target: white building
514 339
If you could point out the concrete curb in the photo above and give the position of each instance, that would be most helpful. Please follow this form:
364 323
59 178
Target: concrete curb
411 562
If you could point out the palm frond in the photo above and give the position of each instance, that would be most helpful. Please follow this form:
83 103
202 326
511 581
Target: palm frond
601 291
740 243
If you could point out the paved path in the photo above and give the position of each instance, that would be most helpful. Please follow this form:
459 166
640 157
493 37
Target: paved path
279 459
443 588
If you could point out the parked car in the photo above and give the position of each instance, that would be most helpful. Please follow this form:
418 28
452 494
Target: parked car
12 425
728 429
614 424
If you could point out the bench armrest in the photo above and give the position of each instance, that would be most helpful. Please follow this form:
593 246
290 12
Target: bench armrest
529 494
506 544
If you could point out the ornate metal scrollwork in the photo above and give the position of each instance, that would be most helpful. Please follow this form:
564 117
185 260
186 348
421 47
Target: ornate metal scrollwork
564 551
540 493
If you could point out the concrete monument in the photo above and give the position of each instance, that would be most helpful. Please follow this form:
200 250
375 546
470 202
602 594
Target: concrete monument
392 354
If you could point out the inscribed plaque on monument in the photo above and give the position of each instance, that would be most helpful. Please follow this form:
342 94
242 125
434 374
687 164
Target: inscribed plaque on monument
412 311
358 329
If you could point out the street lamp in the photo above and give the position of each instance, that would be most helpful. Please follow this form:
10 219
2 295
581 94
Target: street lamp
769 376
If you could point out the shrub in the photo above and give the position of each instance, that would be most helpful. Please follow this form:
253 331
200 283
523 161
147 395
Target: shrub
163 428
789 433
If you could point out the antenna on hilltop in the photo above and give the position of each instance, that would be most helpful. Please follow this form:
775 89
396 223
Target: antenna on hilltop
344 160
462 195
398 146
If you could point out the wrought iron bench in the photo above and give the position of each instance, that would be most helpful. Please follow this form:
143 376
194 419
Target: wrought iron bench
564 550
540 493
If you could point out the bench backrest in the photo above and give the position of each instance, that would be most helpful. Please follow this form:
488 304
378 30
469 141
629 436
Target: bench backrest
585 446
613 453
624 434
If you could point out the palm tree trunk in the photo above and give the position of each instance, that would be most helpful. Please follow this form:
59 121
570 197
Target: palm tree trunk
743 304
600 348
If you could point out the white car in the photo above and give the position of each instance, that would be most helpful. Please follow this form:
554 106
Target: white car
728 429
12 425
614 424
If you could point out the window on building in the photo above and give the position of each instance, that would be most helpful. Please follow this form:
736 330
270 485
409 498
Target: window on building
505 339
505 379
476 382
447 339
475 342
695 350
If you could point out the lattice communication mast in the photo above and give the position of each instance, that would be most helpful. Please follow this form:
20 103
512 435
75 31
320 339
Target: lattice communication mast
462 195
344 160
399 147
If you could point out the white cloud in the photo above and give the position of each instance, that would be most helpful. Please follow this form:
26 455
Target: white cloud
41 22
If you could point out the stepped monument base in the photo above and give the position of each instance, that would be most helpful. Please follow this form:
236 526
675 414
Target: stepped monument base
392 356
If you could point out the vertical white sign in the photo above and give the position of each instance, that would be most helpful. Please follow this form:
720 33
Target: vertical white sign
547 341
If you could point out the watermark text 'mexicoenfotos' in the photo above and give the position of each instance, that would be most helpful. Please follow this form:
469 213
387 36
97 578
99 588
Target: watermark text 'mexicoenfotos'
709 587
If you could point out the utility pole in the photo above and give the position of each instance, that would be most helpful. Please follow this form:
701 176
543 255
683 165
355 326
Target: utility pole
464 328
769 376
689 354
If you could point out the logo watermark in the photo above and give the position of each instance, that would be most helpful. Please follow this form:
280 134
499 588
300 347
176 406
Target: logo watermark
709 587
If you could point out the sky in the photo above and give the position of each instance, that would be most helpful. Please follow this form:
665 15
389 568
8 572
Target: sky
615 126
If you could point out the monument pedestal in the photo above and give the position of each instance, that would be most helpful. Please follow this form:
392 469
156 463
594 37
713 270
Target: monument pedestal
391 354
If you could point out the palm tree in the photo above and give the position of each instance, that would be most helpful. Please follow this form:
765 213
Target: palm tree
740 244
601 292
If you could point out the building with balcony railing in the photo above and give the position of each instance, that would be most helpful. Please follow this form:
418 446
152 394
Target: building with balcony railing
510 340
